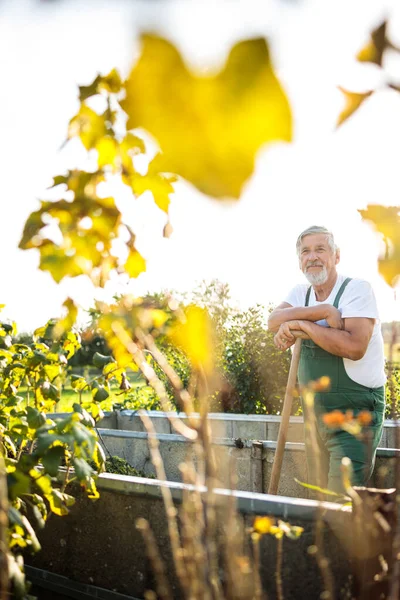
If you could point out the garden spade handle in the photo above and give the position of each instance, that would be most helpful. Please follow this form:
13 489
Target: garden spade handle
283 429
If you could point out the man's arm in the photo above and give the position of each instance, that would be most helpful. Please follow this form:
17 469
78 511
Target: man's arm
285 312
352 342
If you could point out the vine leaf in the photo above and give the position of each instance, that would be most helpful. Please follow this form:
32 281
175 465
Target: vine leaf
110 83
353 102
194 336
135 263
88 125
373 50
209 127
386 220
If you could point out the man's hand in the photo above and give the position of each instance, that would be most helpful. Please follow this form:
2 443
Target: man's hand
288 333
334 318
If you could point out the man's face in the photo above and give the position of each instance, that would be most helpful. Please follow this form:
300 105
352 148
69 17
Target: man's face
317 261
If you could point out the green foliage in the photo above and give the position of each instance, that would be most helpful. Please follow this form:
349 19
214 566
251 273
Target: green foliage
118 465
33 446
254 369
393 393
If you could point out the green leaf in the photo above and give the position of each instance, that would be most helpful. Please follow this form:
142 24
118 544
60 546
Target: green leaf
50 391
83 470
100 394
35 418
87 418
46 440
52 459
41 509
99 457
316 488
78 383
31 534
43 482
18 484
60 502
99 360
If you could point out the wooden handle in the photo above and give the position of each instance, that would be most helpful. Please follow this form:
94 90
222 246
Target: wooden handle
300 334
283 429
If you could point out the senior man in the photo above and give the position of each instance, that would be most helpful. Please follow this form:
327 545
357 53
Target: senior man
339 317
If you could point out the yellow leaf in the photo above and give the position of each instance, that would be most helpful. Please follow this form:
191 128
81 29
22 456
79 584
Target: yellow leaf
209 127
135 264
158 185
353 101
373 50
111 83
67 322
386 220
107 150
130 146
195 336
88 125
110 323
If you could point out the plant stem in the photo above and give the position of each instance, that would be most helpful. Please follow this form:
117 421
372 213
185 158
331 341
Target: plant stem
4 576
279 555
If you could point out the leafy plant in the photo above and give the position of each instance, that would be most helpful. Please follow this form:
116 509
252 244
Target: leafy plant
34 447
118 465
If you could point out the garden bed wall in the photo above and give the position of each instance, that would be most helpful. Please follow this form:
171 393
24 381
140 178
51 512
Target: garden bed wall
224 425
253 460
98 544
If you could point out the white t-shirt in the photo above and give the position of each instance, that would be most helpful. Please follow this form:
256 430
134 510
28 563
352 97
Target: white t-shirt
358 300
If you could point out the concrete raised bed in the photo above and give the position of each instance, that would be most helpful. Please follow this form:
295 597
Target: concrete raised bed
253 460
98 543
223 425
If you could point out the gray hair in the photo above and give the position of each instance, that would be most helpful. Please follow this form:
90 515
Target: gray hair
313 230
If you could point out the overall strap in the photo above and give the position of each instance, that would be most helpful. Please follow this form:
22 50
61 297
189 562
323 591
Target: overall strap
308 296
340 292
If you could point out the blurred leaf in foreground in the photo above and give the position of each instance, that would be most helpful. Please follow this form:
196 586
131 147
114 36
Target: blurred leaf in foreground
194 336
209 127
373 50
353 101
386 220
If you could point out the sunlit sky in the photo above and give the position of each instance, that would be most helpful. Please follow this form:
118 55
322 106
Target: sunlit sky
323 177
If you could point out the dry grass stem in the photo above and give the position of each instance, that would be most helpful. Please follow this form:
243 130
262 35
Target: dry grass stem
163 587
170 509
154 381
182 394
322 560
279 556
255 538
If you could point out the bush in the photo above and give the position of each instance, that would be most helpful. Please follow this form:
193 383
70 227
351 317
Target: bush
255 370
393 393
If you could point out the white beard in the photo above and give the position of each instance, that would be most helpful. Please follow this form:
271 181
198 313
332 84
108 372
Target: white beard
317 278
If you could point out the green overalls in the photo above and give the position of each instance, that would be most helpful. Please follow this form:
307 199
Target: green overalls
344 394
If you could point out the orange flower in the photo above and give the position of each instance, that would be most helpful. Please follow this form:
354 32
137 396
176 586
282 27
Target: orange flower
349 415
321 385
364 418
334 419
